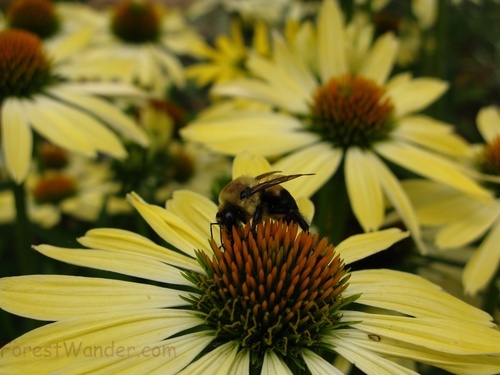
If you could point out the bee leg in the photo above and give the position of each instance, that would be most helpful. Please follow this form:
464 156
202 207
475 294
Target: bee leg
257 217
295 216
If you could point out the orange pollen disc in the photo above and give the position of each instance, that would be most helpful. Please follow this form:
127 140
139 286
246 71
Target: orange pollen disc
136 21
54 188
352 111
36 16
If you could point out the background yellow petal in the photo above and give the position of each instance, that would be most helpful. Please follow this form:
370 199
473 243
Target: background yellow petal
433 134
320 159
414 95
465 229
483 264
363 189
246 164
379 62
17 139
397 196
45 119
431 166
331 50
488 123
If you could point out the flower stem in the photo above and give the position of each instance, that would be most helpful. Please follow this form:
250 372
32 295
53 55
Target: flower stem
22 227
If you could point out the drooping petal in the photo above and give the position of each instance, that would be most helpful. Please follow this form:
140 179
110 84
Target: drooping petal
331 50
387 289
363 189
119 240
483 264
363 245
488 123
17 139
320 159
169 226
124 263
55 297
318 365
459 337
217 361
431 166
380 60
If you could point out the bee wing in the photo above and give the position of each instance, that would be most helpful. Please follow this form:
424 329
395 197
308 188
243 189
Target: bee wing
275 180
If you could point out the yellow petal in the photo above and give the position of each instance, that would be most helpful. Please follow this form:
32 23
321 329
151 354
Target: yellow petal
103 110
415 95
364 189
363 245
17 139
71 44
432 134
380 60
124 263
197 211
170 227
431 166
246 164
395 193
488 123
331 49
262 91
58 297
465 229
320 159
46 120
252 131
483 265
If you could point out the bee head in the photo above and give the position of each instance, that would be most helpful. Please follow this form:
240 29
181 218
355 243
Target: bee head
230 215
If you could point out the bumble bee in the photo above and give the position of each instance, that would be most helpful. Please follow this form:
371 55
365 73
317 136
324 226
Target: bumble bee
257 198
